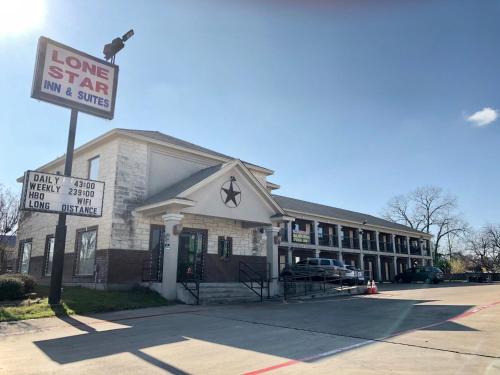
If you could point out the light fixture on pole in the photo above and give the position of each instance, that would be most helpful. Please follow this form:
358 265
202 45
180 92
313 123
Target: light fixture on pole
111 49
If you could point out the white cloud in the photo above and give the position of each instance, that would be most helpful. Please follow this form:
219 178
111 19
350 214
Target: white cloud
483 117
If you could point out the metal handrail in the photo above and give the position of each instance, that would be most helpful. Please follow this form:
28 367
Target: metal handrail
195 292
310 276
385 247
248 276
330 240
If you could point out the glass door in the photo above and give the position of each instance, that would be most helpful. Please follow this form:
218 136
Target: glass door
190 259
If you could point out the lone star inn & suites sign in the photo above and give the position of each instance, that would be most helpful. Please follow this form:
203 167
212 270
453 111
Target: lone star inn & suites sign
52 193
74 79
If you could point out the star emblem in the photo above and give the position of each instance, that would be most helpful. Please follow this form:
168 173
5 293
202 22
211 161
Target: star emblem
230 193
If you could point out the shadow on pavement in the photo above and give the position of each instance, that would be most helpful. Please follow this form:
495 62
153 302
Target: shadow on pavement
265 328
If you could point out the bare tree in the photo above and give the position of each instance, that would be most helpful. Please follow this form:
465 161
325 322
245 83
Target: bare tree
484 245
430 210
9 215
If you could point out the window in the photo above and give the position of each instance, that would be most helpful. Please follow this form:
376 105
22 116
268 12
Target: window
24 256
49 254
338 263
225 247
94 168
85 247
156 247
325 262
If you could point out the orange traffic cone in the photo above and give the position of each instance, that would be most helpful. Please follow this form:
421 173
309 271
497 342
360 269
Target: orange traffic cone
374 287
369 287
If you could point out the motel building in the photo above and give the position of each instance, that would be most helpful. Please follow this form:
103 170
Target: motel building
174 212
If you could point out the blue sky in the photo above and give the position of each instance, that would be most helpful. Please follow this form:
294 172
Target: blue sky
349 102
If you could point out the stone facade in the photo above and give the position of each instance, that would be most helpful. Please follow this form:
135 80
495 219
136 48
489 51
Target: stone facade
243 238
129 232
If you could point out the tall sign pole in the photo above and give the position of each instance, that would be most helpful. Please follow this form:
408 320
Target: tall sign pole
60 235
73 79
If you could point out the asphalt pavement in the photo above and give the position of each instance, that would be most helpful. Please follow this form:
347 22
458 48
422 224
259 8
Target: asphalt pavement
405 329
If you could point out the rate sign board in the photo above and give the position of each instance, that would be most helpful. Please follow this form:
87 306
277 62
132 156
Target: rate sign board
53 193
74 79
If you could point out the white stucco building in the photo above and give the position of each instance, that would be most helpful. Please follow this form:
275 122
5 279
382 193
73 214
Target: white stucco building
174 211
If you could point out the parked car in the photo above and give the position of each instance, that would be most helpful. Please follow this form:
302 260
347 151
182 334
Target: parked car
316 269
427 274
478 277
354 275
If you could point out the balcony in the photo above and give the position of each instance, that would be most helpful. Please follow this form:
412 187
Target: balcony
385 247
350 243
401 248
328 240
370 245
415 250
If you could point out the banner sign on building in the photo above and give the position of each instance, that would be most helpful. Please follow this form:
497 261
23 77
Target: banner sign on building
301 237
53 193
74 79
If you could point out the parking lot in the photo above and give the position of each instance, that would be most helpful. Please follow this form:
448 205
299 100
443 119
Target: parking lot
411 329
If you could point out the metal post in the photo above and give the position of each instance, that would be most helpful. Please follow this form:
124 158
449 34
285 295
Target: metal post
60 235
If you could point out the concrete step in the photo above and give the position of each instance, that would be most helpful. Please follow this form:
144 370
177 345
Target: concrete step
213 301
219 293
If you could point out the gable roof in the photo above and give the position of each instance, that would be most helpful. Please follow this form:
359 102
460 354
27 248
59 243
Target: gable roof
181 186
197 180
158 136
297 205
153 136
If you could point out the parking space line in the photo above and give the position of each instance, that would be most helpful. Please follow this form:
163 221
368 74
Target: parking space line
384 339
307 359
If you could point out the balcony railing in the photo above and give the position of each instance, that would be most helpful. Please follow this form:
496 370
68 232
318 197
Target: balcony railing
414 250
328 240
401 248
370 245
350 243
385 247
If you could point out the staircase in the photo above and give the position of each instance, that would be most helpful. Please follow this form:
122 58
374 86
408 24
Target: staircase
218 293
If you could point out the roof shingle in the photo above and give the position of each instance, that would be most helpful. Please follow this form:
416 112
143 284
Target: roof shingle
177 188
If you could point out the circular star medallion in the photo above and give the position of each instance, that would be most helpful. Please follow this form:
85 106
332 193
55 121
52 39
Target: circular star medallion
230 193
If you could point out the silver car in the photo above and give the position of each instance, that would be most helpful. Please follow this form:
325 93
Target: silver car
354 275
315 268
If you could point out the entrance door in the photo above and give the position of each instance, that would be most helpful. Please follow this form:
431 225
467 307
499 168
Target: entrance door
192 245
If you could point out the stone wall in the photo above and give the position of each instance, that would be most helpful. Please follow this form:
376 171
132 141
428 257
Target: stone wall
128 231
244 240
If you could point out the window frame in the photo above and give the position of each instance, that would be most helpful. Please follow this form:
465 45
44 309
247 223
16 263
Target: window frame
46 255
89 167
225 247
79 233
20 255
